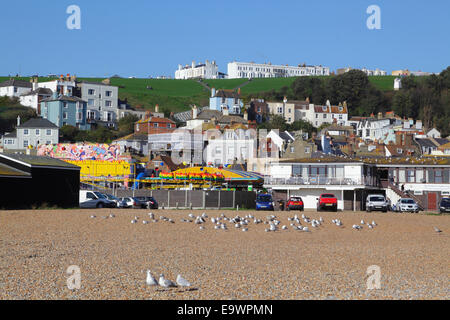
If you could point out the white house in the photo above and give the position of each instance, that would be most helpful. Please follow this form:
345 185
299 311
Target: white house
234 146
327 114
267 70
33 98
433 133
207 70
14 88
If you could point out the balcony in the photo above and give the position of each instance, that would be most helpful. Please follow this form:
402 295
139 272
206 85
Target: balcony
321 181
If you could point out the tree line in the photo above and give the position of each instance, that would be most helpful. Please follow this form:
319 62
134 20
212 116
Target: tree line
423 98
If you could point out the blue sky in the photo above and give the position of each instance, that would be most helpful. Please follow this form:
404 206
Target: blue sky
146 37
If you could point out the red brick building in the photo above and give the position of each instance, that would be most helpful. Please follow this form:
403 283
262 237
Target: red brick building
151 125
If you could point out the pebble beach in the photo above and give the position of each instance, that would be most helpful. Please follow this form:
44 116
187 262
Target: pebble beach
328 262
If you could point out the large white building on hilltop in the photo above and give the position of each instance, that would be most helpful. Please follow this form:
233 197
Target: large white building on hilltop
255 70
207 70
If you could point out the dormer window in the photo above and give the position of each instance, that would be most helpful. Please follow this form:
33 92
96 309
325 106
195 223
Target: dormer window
324 109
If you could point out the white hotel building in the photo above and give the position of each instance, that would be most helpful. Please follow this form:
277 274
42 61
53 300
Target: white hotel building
207 70
255 70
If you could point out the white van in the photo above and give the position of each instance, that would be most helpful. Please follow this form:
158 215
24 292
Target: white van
94 199
376 202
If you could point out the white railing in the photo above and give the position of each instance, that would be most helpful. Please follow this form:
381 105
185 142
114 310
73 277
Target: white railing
320 180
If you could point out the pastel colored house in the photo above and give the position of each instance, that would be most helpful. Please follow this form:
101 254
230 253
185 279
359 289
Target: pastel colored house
64 110
32 133
225 101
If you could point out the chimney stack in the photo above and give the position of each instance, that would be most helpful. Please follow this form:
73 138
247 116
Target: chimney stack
18 120
157 109
245 115
213 92
194 112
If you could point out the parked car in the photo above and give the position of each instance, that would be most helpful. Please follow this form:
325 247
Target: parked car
118 202
264 202
376 202
444 205
149 202
327 201
406 204
130 202
295 203
94 199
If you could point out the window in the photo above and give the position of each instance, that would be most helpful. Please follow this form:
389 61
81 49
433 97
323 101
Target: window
48 142
438 176
307 149
15 90
79 116
108 103
90 102
38 132
65 105
317 116
324 115
65 115
280 109
108 93
218 150
25 143
292 149
410 176
155 125
26 132
91 91
49 132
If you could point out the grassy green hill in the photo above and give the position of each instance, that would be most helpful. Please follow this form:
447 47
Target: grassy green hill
177 95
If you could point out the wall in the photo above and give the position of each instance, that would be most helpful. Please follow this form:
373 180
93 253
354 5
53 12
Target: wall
196 198
82 151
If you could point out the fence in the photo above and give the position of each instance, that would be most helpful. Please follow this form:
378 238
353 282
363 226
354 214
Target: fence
195 199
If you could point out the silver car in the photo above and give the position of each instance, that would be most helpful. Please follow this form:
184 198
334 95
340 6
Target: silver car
406 205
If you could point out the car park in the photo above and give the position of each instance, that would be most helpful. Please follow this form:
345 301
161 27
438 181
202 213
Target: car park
115 199
132 202
295 203
376 202
406 205
264 202
149 202
327 201
95 199
444 205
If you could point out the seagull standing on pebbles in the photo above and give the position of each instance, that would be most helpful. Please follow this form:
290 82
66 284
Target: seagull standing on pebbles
182 282
437 229
166 283
151 281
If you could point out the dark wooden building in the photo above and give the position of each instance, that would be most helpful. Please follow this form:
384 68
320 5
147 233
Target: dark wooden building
33 181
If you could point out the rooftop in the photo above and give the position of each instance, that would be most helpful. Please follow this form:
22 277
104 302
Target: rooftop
16 83
63 98
37 161
38 123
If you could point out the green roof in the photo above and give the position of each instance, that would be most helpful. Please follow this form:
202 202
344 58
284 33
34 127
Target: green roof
38 161
8 171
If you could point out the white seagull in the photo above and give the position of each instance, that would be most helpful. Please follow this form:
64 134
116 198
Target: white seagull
182 282
437 229
166 283
151 281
